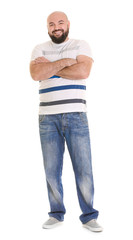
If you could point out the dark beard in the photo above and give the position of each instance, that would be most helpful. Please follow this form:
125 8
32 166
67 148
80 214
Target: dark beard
60 39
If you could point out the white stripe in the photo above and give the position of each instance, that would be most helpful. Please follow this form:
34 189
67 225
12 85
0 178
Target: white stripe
71 107
63 94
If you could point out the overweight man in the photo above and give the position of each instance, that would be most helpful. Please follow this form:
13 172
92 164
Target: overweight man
62 66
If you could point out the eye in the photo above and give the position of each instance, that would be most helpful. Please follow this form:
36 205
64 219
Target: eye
61 22
51 24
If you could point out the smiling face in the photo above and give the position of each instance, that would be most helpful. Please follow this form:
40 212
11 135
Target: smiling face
58 27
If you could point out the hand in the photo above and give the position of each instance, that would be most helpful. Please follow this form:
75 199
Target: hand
71 61
41 60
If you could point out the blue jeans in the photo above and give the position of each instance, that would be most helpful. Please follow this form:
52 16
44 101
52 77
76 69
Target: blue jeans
54 130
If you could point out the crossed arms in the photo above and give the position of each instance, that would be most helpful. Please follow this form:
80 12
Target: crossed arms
69 68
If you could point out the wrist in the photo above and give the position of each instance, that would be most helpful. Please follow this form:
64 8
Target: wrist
67 62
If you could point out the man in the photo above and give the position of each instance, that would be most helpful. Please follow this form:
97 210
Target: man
61 67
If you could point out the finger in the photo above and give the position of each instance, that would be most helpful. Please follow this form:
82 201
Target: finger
41 60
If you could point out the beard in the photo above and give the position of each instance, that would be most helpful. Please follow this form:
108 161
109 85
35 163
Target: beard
60 39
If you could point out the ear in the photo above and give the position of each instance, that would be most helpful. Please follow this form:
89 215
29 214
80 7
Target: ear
69 24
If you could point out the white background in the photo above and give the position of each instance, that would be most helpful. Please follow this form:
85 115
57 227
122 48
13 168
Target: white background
107 27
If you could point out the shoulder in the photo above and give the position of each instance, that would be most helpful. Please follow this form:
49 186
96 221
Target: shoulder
84 48
38 50
42 45
80 43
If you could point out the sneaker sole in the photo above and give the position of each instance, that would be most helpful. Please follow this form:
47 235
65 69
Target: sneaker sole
93 229
51 226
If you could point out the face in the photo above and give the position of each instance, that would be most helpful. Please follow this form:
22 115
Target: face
58 27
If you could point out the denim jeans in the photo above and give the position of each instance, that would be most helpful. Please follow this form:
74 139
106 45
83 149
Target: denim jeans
73 128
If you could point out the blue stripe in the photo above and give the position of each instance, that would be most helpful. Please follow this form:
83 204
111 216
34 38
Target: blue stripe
55 76
65 87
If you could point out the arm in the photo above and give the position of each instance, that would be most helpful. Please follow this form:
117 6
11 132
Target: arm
80 70
41 68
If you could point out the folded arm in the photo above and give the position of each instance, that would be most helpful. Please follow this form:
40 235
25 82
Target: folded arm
80 70
68 68
41 68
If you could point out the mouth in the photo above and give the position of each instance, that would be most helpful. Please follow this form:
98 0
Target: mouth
58 33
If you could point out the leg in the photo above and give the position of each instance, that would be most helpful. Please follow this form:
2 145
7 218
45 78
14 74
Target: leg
78 142
52 143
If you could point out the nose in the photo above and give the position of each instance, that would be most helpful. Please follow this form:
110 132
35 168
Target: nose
56 27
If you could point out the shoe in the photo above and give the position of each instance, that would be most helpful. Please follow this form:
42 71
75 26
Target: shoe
51 223
93 226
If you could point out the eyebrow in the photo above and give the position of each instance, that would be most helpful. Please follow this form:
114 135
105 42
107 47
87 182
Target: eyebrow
51 23
58 21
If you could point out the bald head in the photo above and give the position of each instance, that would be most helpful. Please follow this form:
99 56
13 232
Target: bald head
58 26
56 14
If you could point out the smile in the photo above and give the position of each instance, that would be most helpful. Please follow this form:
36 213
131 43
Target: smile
58 32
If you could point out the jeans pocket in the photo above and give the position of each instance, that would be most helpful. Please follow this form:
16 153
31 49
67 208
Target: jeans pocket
83 117
41 118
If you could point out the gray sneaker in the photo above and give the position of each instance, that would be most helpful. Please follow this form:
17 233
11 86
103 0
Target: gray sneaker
93 226
51 223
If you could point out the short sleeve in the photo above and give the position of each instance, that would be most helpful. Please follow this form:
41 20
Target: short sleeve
37 52
84 49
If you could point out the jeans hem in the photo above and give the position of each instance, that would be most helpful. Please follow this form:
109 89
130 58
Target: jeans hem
84 222
58 218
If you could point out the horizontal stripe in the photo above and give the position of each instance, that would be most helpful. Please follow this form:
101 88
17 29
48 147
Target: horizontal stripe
65 87
59 52
61 95
62 102
71 107
55 76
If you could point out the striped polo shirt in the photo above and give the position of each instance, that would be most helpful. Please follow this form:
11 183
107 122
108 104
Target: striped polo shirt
57 94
